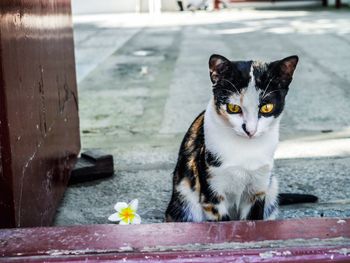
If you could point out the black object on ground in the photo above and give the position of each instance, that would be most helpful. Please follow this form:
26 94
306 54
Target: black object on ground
92 165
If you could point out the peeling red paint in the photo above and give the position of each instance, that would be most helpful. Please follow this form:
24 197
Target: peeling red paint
304 240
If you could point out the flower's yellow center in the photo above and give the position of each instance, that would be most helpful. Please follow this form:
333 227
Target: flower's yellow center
127 214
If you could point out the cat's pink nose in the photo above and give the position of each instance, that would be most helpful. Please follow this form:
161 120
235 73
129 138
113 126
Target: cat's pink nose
249 132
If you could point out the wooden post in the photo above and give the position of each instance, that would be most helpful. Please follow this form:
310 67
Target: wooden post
39 125
216 4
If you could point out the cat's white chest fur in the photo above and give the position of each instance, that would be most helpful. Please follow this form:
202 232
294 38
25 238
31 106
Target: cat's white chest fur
246 164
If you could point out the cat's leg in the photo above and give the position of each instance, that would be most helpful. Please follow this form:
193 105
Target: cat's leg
257 209
216 212
184 205
212 215
271 200
176 211
265 205
261 205
211 212
180 210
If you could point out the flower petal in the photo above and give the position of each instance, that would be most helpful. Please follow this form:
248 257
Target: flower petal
122 222
120 205
134 204
114 217
136 220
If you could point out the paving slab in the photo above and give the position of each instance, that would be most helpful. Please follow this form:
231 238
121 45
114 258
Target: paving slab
138 99
94 44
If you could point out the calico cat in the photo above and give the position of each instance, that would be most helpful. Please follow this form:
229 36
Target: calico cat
226 157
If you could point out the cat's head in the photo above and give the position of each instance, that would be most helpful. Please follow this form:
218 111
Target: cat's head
250 95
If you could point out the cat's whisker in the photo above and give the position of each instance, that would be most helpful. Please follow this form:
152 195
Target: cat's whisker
270 93
268 85
215 85
231 85
228 90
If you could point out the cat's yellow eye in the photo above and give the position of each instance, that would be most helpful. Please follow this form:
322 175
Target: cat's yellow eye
233 108
267 108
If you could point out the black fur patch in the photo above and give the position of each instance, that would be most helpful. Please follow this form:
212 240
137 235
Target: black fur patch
212 160
271 79
225 218
257 210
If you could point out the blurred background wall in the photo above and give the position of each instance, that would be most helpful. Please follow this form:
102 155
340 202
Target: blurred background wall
119 6
157 6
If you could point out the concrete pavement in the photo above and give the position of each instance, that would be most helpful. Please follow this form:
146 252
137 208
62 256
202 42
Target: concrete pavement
142 80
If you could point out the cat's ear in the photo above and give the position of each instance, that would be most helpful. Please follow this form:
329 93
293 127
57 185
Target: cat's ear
219 66
285 68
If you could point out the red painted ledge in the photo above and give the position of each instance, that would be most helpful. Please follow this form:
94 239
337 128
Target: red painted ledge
304 240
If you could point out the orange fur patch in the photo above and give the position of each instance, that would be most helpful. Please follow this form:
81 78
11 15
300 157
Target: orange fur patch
222 113
197 125
257 196
194 131
193 166
197 185
208 207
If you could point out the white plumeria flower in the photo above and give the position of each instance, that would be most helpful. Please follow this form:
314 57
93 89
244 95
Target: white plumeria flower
126 213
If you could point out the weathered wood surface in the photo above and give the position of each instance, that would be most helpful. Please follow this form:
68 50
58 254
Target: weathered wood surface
39 126
307 240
